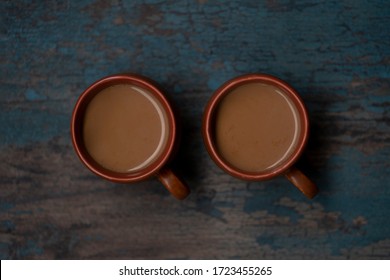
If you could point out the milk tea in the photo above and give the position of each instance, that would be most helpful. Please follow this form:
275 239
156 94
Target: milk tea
256 127
125 128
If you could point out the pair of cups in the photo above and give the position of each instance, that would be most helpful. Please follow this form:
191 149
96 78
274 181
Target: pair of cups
255 127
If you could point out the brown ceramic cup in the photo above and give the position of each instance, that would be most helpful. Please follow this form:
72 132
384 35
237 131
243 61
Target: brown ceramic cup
158 167
282 167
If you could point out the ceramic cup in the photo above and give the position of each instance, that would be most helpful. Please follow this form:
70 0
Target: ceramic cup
276 108
157 165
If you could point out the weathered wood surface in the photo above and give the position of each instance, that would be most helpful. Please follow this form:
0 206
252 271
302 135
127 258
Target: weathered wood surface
335 53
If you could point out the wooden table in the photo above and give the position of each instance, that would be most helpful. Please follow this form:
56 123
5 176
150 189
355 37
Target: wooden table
336 54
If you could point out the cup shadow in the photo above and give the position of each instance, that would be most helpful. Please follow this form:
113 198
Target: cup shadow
314 160
190 154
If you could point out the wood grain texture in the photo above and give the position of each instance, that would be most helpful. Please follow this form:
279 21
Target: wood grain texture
336 54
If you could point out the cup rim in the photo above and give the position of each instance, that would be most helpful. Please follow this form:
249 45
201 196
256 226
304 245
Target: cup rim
78 113
208 119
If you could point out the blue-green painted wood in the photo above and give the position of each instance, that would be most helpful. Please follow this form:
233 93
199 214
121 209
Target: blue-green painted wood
335 53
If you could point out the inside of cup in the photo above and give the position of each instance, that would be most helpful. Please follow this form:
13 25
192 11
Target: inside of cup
257 128
123 129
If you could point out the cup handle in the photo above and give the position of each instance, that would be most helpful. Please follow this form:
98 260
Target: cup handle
173 183
303 183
